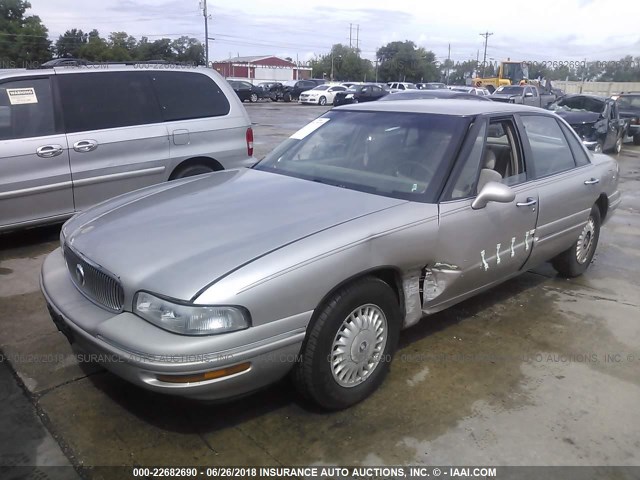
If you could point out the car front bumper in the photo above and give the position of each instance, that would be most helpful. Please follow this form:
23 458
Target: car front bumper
270 358
313 101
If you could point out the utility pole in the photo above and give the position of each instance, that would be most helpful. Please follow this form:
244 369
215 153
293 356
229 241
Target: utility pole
486 36
350 30
206 32
357 36
448 63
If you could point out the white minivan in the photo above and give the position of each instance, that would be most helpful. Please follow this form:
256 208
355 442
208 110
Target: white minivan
71 137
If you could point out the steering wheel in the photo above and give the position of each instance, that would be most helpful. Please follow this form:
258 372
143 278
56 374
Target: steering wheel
407 168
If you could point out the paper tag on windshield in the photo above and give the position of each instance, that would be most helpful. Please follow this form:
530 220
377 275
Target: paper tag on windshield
22 96
312 127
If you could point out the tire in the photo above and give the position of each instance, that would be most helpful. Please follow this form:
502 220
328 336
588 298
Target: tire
322 101
286 97
369 299
191 170
636 139
574 261
598 148
253 98
618 147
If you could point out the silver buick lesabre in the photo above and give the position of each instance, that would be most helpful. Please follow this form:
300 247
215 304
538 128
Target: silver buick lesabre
358 225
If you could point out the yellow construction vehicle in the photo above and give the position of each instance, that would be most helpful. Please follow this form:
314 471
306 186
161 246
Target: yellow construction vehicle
509 73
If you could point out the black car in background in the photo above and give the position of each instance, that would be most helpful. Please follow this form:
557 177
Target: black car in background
293 88
436 93
367 92
247 91
629 107
595 119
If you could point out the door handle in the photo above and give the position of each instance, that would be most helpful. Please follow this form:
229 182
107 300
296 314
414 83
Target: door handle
48 151
85 146
529 203
592 181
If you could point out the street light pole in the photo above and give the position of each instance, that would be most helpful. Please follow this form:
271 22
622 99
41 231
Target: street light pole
332 65
206 32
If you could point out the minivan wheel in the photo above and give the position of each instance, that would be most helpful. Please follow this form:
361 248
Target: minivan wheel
253 98
350 345
574 261
191 170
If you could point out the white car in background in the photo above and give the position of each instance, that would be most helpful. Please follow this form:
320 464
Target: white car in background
321 95
480 91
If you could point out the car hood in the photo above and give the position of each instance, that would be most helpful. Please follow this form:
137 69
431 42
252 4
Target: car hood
577 118
175 239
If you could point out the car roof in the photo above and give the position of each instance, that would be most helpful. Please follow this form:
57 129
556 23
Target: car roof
588 95
443 107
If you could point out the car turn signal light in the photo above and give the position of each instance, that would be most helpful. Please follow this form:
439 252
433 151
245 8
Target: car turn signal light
203 377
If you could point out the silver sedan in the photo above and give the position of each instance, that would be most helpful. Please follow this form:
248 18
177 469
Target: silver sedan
360 224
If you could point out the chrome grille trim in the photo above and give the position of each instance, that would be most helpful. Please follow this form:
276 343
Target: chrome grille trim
101 287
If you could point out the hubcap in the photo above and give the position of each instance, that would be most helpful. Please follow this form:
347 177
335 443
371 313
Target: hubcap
358 346
585 241
598 148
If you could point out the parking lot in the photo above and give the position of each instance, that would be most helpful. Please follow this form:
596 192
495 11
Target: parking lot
538 371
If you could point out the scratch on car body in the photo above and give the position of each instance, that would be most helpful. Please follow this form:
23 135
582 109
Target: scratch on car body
485 265
498 253
513 243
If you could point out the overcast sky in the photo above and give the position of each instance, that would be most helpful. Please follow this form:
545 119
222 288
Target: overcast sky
528 30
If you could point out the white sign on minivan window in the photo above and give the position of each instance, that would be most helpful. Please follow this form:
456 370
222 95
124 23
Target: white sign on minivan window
22 96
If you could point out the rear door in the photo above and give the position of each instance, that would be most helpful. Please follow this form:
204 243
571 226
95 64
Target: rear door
117 141
35 177
481 247
562 173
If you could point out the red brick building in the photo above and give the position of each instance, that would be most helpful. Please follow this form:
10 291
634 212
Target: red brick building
261 68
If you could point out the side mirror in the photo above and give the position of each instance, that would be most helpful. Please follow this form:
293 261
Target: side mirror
493 192
528 94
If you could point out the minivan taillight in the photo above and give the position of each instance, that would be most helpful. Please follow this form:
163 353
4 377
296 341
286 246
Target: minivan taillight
250 142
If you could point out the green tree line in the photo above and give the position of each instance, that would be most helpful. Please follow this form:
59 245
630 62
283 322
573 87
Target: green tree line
24 40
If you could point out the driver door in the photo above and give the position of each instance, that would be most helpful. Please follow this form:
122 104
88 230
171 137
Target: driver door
478 248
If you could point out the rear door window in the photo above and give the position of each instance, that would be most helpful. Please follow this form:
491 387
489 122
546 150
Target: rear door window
26 109
551 152
97 101
186 95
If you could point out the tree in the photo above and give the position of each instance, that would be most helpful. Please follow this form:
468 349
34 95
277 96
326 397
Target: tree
25 38
69 44
404 61
188 50
96 49
345 62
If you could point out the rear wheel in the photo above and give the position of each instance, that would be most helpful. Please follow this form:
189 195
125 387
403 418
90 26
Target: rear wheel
349 347
574 261
191 170
286 97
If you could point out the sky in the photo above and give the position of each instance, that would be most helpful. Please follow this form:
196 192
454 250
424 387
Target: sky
539 30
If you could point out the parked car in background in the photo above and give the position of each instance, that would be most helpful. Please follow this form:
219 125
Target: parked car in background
357 226
480 91
247 91
524 95
400 86
431 94
321 95
367 92
73 137
431 86
629 109
293 88
595 119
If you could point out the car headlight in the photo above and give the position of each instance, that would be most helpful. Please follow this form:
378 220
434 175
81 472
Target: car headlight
190 319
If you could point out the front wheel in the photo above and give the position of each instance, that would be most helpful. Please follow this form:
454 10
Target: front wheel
350 345
253 98
322 102
598 148
574 261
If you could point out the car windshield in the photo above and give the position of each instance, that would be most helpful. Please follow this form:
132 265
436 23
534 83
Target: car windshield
321 87
354 88
630 101
578 104
510 90
402 155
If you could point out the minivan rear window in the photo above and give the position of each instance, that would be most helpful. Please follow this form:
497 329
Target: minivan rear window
95 101
185 95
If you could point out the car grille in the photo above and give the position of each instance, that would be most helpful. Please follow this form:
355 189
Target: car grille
500 99
100 287
304 97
